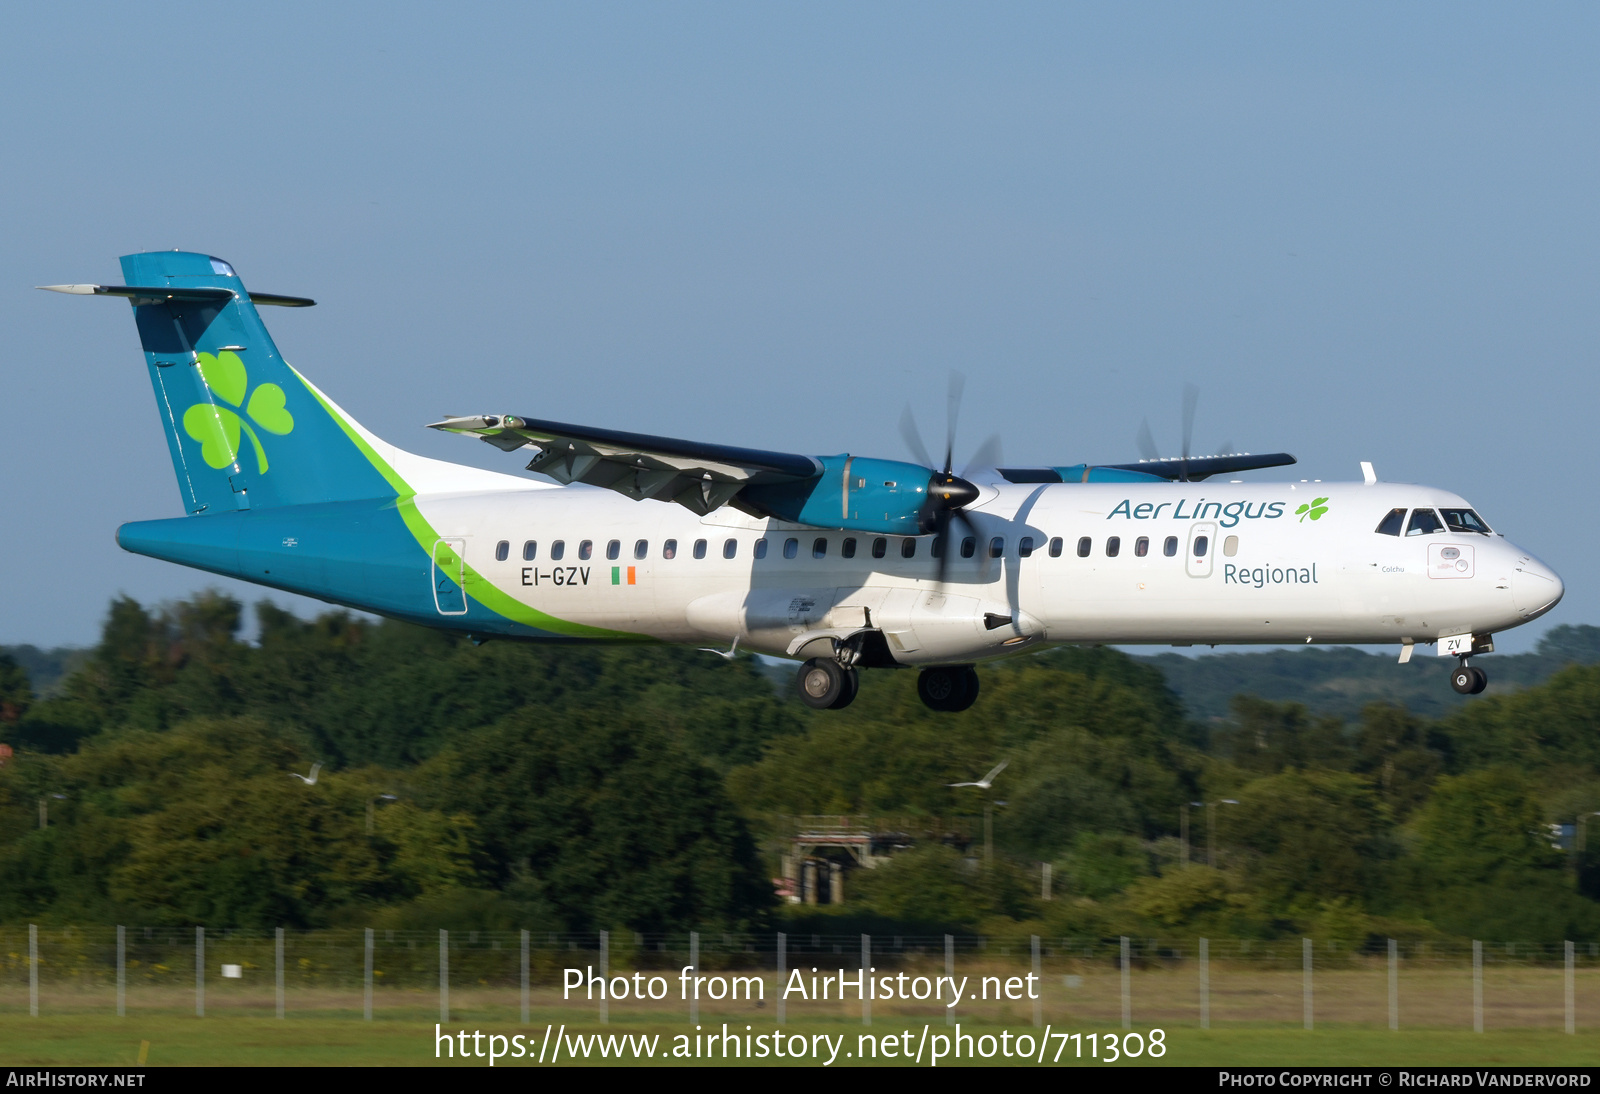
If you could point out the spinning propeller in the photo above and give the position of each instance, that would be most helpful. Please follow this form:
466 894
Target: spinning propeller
949 494
1147 443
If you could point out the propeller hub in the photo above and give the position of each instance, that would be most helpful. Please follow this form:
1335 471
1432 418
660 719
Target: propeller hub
948 492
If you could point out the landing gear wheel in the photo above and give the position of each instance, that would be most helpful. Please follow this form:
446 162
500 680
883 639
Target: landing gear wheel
1468 681
1482 681
821 683
948 689
847 694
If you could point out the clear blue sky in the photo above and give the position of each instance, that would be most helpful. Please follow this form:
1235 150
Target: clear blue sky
1367 231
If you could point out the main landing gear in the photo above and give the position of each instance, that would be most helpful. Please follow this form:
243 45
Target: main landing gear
948 689
825 684
1467 680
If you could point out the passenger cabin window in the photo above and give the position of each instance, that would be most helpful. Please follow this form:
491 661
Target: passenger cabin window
641 548
1084 546
530 551
819 547
908 548
761 548
937 547
586 549
699 548
1230 546
969 547
558 550
1170 547
730 547
880 547
1113 545
1025 547
614 550
1464 520
1141 546
1055 547
997 547
847 549
1201 544
502 550
669 549
1393 523
1424 522
791 547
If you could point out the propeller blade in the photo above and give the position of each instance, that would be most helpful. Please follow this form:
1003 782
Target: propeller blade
986 458
1191 399
941 544
958 384
913 437
1146 442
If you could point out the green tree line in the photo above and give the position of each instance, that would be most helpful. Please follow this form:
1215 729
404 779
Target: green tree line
649 787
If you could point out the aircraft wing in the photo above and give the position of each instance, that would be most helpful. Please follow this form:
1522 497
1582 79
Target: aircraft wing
701 477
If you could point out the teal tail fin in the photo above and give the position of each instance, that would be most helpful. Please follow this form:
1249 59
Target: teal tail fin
244 429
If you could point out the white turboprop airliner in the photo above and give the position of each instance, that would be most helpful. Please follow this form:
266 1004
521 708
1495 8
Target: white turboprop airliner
841 562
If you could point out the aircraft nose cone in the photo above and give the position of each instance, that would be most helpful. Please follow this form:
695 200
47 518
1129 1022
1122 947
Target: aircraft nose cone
1535 588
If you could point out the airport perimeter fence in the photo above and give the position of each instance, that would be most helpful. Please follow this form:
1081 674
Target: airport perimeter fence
529 976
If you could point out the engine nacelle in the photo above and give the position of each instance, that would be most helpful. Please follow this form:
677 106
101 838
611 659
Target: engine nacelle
853 493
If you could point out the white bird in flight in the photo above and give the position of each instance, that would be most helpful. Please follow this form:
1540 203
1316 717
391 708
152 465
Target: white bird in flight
988 780
309 780
726 655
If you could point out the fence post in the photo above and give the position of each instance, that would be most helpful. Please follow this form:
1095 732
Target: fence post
950 974
605 976
1127 987
199 972
33 970
1572 1008
1038 991
366 980
278 968
783 971
1205 983
444 975
122 971
1394 984
524 977
694 977
1477 986
1305 990
866 972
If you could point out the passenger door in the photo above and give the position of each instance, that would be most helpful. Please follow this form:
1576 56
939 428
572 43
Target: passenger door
450 576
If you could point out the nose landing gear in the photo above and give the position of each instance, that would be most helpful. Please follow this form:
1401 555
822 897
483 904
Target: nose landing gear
1467 680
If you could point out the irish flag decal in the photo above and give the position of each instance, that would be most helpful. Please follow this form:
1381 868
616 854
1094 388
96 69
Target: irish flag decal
616 575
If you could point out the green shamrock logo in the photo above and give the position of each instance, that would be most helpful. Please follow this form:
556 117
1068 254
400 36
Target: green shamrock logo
1315 510
217 428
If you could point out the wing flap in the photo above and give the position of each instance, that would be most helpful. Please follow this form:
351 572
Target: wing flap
700 477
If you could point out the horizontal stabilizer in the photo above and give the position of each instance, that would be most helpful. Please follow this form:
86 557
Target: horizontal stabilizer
154 294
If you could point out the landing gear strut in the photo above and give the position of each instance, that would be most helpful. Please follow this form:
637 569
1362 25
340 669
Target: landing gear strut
1467 680
948 689
825 684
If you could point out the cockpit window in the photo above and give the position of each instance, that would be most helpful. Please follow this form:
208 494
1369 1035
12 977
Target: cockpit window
1391 524
1424 522
1464 520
